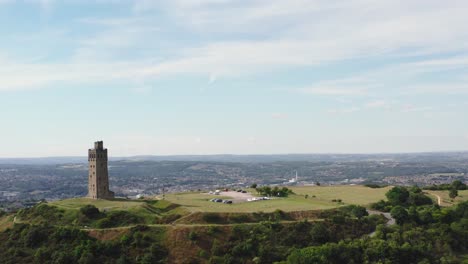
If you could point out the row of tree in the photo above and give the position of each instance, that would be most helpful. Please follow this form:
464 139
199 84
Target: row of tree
275 191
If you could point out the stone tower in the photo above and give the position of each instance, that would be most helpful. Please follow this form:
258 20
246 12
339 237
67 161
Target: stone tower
98 183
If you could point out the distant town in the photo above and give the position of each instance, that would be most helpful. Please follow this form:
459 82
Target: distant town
23 184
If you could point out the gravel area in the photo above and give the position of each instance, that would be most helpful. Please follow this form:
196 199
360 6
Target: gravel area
237 197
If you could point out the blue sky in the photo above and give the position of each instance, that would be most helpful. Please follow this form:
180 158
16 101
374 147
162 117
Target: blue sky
232 76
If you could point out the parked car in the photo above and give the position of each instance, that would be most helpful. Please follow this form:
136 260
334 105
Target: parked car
219 200
227 202
244 191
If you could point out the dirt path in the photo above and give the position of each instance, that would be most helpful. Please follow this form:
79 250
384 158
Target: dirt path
439 200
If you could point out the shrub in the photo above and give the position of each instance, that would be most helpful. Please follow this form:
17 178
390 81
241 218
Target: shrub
90 211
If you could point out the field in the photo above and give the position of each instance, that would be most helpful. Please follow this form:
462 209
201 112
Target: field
446 200
107 205
199 202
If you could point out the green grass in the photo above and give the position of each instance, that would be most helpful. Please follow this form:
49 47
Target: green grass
6 222
356 194
446 200
107 205
151 211
199 202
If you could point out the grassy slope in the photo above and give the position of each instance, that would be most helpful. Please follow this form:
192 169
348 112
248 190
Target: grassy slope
6 222
107 205
446 201
199 202
148 210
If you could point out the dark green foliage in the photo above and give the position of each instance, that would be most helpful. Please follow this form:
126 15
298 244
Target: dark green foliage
375 186
381 206
397 195
400 196
42 213
47 244
400 214
453 193
355 210
275 191
253 186
435 242
270 242
319 233
418 198
90 211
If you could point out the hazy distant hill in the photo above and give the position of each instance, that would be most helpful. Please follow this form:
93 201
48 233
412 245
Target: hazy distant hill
401 157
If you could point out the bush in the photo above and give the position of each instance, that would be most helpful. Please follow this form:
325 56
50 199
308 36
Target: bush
375 186
90 211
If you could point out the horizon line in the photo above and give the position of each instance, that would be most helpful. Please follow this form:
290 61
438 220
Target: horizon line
258 154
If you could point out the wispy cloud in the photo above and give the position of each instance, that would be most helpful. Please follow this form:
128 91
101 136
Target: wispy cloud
263 37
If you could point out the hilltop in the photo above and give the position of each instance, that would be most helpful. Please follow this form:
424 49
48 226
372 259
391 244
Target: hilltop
189 228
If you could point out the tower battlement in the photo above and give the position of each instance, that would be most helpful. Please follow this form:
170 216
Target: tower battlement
99 145
98 178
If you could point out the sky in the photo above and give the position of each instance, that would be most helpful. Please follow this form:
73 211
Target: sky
175 77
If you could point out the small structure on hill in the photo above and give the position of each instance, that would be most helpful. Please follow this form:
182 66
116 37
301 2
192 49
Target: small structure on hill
98 178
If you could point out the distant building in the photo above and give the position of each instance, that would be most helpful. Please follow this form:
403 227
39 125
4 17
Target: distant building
98 178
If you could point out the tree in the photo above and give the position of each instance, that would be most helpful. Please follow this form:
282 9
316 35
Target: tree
400 214
359 211
253 186
320 233
453 193
458 185
397 195
415 189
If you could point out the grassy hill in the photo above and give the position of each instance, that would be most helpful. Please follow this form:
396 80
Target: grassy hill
188 228
324 196
89 213
445 200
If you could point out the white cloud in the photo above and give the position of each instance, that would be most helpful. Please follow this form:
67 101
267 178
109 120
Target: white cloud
287 34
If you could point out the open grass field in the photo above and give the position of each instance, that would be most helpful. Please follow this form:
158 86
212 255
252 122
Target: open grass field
199 202
446 200
109 205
